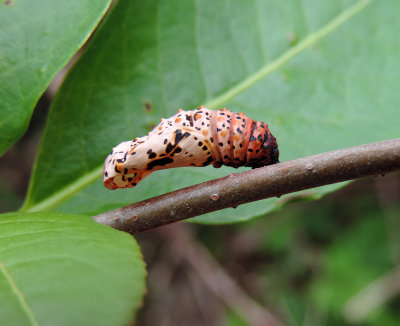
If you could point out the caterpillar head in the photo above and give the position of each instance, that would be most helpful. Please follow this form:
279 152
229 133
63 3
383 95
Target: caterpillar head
120 170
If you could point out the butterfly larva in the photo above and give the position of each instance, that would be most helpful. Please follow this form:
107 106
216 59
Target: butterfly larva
192 138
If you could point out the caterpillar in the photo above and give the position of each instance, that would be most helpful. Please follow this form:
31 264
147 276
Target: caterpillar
192 138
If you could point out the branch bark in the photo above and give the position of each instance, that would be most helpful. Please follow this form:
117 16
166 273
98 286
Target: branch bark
270 181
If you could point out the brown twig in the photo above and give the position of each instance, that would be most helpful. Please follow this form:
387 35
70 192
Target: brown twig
270 181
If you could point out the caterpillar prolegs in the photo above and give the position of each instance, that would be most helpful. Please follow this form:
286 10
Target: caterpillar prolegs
192 138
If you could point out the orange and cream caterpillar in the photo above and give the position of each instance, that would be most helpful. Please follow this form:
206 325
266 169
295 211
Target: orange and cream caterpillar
192 138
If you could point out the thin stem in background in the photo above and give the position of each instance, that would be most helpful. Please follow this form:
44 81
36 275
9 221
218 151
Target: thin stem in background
184 246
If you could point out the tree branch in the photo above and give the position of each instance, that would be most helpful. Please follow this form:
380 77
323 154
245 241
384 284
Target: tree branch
270 181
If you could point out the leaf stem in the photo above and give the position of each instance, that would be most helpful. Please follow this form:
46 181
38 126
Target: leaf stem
270 181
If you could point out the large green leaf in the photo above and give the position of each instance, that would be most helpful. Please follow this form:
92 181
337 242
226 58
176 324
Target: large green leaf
37 38
58 269
324 75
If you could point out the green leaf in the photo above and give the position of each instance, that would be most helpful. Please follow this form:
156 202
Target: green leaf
322 74
58 269
37 38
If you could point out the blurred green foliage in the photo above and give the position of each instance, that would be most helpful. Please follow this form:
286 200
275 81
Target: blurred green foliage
312 258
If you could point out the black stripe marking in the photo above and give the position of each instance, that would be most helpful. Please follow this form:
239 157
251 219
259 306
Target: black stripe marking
160 162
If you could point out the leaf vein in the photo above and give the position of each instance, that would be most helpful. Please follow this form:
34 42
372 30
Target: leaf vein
20 296
285 57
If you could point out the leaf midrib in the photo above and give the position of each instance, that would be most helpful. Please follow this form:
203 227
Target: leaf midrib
80 183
